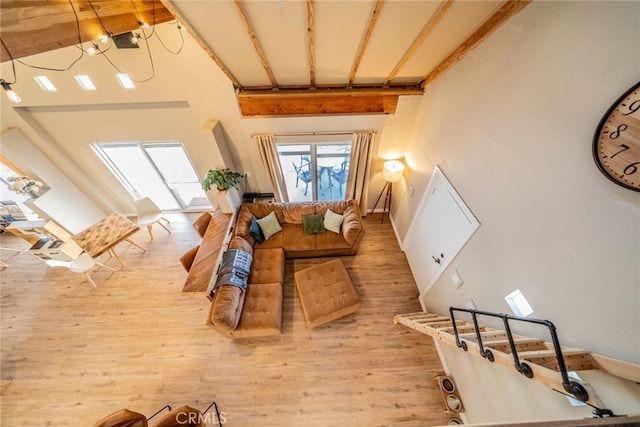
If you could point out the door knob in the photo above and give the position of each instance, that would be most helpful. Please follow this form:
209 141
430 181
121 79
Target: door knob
437 260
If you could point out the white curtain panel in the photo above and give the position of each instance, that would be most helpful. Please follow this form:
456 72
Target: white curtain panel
359 169
271 162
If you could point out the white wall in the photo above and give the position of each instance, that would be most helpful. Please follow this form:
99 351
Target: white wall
512 125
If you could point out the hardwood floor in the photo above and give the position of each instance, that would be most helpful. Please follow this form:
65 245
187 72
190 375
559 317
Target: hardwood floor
72 354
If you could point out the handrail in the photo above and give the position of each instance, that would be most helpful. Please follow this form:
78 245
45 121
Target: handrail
572 387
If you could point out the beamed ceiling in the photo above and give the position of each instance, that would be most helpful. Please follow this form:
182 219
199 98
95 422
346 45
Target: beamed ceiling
286 57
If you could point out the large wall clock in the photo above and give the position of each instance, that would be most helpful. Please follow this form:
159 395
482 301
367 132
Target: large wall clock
616 143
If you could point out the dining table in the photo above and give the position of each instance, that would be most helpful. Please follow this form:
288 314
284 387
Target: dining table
325 165
104 235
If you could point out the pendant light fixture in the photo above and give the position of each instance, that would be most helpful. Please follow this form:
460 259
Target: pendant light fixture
11 94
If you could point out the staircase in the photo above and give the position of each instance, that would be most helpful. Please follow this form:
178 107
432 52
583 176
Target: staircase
545 362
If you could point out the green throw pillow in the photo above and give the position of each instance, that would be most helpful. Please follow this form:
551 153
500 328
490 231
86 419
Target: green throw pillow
333 221
313 223
269 225
256 231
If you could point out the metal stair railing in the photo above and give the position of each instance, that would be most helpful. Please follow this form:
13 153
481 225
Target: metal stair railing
572 387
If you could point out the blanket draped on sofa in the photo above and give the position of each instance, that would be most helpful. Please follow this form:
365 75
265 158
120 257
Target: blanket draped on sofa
234 269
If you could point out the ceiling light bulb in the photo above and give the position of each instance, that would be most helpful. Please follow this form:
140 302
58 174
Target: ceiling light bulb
93 49
143 24
11 94
135 38
104 38
179 25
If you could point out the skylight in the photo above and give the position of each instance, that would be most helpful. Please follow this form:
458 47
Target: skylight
518 303
45 84
85 82
125 81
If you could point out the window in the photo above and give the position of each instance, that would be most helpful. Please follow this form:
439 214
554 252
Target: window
315 171
161 171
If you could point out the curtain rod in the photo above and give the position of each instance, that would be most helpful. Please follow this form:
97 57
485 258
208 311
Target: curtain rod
318 133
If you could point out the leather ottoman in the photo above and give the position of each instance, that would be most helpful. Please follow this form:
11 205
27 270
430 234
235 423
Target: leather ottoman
326 293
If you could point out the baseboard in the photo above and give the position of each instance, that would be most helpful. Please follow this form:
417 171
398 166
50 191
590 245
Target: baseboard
395 231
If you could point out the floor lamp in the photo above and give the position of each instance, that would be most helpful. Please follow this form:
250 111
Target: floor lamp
391 172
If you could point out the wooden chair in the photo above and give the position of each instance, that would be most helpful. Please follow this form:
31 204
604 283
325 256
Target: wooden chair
341 174
201 224
187 259
127 418
123 418
187 416
82 264
304 176
148 214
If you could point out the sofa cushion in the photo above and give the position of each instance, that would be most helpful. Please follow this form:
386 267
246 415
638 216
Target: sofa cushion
269 225
227 307
312 223
260 210
241 243
267 266
330 240
337 206
262 313
294 212
276 241
333 221
295 239
352 224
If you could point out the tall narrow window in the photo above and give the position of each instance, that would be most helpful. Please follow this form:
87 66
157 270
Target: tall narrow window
161 171
315 171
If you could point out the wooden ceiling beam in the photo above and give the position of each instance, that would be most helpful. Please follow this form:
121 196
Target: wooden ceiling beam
256 43
495 21
426 30
192 31
33 27
311 42
265 103
287 106
365 41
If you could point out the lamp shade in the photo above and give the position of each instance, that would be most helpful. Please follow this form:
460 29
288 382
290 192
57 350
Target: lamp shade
392 171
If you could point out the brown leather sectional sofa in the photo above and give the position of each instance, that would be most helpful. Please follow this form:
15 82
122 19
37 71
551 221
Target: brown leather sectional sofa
258 311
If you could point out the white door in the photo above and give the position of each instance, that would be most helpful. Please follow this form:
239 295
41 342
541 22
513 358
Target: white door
440 228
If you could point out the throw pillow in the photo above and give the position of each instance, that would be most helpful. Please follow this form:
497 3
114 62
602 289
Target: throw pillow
269 225
313 223
256 231
333 221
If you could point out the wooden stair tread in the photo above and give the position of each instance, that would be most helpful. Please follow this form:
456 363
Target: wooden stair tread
522 340
538 354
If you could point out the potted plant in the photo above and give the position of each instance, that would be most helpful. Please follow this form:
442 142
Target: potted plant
222 179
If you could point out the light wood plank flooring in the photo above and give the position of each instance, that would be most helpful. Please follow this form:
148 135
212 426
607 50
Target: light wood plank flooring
72 354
